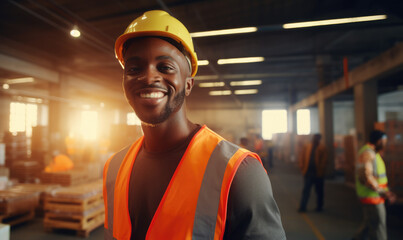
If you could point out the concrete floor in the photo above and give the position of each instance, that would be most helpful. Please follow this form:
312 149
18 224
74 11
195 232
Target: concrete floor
339 220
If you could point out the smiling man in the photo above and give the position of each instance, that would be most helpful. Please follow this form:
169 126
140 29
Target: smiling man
180 180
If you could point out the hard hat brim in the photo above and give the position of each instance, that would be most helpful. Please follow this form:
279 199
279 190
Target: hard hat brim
124 37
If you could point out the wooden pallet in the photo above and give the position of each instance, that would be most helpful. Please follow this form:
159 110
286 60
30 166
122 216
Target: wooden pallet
83 225
18 218
55 203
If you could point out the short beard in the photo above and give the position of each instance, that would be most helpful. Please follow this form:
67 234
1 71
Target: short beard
177 102
378 147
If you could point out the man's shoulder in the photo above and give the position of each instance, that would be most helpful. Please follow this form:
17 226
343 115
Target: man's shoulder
366 155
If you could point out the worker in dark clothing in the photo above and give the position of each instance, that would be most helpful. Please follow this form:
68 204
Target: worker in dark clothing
180 180
313 164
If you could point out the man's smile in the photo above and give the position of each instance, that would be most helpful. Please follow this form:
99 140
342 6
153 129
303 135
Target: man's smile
152 95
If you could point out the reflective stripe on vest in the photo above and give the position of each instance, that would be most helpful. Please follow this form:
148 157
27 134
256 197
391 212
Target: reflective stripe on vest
365 194
112 171
195 203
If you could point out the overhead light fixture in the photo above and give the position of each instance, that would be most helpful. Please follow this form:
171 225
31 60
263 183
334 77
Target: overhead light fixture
245 91
206 77
240 60
224 32
6 86
246 83
202 62
212 84
334 21
20 80
220 93
75 32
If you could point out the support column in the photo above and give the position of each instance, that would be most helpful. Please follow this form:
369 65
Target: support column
292 122
325 108
366 109
58 114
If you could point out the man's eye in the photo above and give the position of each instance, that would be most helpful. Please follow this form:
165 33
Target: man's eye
132 69
166 68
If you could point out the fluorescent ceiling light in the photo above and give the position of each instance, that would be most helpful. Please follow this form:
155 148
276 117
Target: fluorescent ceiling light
220 93
246 83
334 21
206 77
212 84
224 32
20 80
245 91
202 62
240 60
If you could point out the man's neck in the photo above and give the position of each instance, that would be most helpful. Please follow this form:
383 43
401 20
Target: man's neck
372 146
167 135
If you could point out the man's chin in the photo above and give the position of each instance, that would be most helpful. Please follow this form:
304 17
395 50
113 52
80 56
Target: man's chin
145 124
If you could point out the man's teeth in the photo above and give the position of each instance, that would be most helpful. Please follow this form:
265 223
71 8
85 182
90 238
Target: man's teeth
152 95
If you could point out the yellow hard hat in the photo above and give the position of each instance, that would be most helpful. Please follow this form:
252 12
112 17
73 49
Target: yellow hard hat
157 23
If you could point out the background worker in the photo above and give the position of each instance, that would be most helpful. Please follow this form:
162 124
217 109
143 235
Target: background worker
180 180
372 190
313 165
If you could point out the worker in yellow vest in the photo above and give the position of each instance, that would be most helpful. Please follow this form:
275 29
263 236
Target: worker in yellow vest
180 180
372 188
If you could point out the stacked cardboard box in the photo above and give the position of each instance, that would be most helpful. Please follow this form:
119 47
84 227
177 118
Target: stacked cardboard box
79 208
16 147
4 174
39 145
66 178
393 155
17 207
350 156
26 171
39 189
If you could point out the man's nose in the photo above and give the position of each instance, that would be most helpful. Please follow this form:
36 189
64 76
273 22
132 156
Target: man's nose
151 75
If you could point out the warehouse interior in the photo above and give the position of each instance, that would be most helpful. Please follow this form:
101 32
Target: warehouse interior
61 94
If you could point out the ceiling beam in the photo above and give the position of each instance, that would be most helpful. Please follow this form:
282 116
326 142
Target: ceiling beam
16 65
376 68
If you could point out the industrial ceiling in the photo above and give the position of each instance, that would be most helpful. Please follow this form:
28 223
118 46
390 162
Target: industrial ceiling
296 61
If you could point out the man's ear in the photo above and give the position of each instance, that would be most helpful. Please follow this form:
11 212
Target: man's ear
189 85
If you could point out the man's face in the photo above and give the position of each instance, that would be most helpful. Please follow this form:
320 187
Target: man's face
380 144
156 79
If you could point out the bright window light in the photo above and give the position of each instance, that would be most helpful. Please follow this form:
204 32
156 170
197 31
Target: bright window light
245 91
212 84
202 62
246 83
334 21
223 32
23 117
132 119
273 121
17 117
240 60
89 124
303 122
220 93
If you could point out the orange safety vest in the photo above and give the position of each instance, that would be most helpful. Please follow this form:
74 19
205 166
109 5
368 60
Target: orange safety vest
194 205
